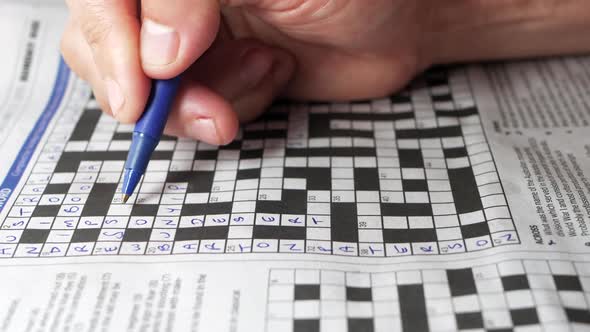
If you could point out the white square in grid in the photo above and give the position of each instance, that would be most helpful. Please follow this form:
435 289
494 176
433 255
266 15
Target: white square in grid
204 165
244 207
573 299
490 189
343 196
358 309
508 268
370 235
420 222
76 146
365 162
450 233
441 197
472 217
493 200
562 267
342 162
395 222
120 145
413 173
329 277
307 277
155 176
392 197
281 292
444 209
317 233
293 183
436 290
368 222
269 194
368 209
366 196
246 184
466 303
499 225
268 219
409 277
439 186
57 236
452 142
417 197
439 306
489 286
486 178
318 162
549 314
542 296
62 177
541 281
536 267
271 172
196 198
412 144
518 299
342 184
245 195
271 183
282 276
218 197
333 309
430 154
492 301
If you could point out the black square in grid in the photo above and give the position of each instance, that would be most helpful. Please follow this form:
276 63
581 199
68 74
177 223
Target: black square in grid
527 316
567 283
214 232
85 235
409 235
206 154
253 173
415 185
475 230
306 325
455 152
144 210
272 207
251 154
410 158
46 211
469 320
34 236
359 294
307 292
293 233
366 179
188 234
122 136
57 188
361 325
515 282
578 315
266 232
461 282
234 145
442 98
137 234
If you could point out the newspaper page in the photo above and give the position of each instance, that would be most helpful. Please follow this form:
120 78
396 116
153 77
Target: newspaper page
460 203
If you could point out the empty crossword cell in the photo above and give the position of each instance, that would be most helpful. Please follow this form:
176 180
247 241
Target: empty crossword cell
407 175
516 295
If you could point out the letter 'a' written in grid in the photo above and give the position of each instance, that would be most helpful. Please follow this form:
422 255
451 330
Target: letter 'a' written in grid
516 295
408 175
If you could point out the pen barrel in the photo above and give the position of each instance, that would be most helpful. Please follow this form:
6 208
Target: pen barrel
154 118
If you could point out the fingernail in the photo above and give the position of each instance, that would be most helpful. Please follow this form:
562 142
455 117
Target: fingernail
256 64
159 43
205 130
115 95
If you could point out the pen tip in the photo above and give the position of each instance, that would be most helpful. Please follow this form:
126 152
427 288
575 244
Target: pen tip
125 198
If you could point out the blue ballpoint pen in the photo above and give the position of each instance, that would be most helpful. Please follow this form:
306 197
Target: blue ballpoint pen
147 133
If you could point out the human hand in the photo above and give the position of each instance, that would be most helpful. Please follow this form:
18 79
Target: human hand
240 55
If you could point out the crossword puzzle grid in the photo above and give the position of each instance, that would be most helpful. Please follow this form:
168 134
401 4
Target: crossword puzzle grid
409 175
530 295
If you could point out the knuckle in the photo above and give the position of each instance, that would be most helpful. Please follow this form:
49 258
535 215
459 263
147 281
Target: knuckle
95 25
95 31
